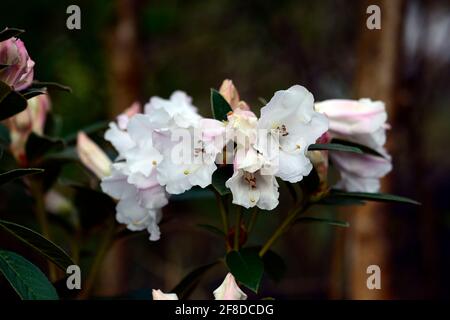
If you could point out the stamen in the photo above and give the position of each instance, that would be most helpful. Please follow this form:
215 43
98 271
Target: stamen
250 179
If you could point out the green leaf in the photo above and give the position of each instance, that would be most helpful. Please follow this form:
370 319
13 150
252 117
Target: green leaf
322 220
38 243
334 147
274 265
185 287
98 126
5 139
211 229
363 148
50 85
17 173
220 107
7 33
27 280
382 197
247 267
38 146
30 93
331 200
220 176
11 102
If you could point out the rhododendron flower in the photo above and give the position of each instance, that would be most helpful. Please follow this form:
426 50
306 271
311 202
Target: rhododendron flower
291 118
138 208
177 112
251 189
19 68
364 122
229 290
21 125
192 163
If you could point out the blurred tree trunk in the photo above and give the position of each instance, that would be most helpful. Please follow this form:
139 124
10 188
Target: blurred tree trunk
124 84
366 242
124 57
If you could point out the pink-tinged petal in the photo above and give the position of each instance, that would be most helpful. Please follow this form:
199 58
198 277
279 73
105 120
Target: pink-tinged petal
32 119
229 290
92 156
231 95
20 70
159 295
124 117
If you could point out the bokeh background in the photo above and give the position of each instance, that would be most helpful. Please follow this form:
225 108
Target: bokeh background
129 50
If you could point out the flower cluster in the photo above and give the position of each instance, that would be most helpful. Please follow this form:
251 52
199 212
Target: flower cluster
169 148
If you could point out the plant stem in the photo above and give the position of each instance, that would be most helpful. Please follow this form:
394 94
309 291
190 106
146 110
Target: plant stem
41 214
98 259
279 231
237 227
252 222
223 214
284 226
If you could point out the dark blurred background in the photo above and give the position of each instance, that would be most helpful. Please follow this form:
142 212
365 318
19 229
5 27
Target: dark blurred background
131 50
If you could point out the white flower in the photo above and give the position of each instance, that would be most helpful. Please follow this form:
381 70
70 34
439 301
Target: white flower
159 295
360 172
229 290
251 189
190 161
361 121
290 116
119 138
138 208
242 127
364 122
178 111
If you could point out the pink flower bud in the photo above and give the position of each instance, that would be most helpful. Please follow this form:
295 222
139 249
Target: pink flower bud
92 156
231 95
32 119
159 295
229 290
19 71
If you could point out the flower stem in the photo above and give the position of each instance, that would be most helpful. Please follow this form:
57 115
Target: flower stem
279 231
41 214
252 222
98 259
223 213
284 226
237 227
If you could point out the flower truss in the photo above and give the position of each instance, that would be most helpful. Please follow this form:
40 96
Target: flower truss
167 148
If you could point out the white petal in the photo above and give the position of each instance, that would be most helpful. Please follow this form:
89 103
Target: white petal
159 295
229 290
120 139
116 185
243 194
